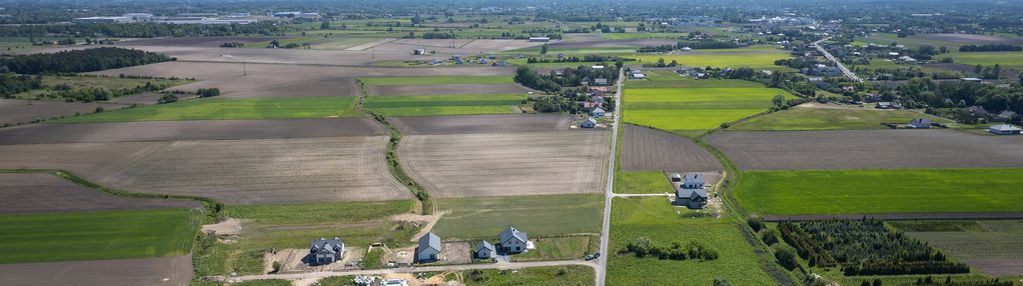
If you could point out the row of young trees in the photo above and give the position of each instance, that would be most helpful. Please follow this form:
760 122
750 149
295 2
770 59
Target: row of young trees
991 48
85 60
643 247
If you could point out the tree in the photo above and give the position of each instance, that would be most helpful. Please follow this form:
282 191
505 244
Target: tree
325 25
778 100
167 98
996 71
543 49
978 69
756 223
208 92
721 282
877 282
786 258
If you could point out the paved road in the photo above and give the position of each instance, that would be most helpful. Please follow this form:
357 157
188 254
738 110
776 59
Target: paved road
609 193
838 63
442 268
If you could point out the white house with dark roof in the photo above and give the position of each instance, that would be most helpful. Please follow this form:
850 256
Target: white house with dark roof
326 251
513 240
484 250
1004 129
429 248
690 192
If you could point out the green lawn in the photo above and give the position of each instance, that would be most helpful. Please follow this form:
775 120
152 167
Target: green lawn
72 236
881 191
642 183
695 108
1012 60
229 108
461 104
830 119
733 58
428 80
540 216
560 248
655 219
573 275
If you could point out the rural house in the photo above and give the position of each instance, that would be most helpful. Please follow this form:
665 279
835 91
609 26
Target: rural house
326 251
589 123
513 240
599 82
484 250
920 123
598 112
1004 129
690 192
429 248
692 181
1004 116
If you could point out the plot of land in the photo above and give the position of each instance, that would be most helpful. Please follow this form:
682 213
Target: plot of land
993 247
388 90
867 149
484 218
460 104
163 271
70 236
266 171
1012 60
645 149
831 119
435 80
211 42
756 59
472 165
670 79
597 42
14 111
37 192
469 124
94 161
655 219
227 108
80 83
902 191
694 108
190 130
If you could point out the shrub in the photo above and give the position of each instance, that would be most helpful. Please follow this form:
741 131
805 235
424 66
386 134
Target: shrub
786 257
167 98
756 223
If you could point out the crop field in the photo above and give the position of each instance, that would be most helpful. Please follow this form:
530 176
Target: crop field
694 108
735 58
160 271
597 42
1012 60
224 108
474 124
830 119
459 104
540 216
993 247
867 149
38 192
391 90
572 275
913 41
316 213
431 80
642 183
670 79
645 149
14 111
471 165
96 235
209 42
655 219
902 191
93 161
190 130
266 171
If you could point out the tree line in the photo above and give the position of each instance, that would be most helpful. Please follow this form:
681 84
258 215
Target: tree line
11 83
991 48
142 30
85 60
643 247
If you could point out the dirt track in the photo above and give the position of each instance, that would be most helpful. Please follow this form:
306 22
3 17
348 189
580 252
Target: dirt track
163 271
390 90
13 111
189 130
645 149
472 165
36 192
868 149
476 124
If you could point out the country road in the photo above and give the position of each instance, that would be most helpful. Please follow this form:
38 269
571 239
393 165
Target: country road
605 230
845 70
439 268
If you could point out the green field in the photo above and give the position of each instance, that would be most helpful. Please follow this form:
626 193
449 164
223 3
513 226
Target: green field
224 108
428 80
733 58
655 219
83 82
670 79
560 248
881 191
1012 60
72 236
340 212
540 216
460 104
642 183
830 119
688 109
573 275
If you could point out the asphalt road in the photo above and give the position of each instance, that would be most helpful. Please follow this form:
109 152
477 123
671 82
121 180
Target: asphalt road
601 268
838 63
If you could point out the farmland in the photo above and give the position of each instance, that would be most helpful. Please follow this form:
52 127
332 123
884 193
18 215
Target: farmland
14 111
670 79
645 149
540 216
474 124
98 235
655 219
1012 60
161 271
39 192
991 246
642 183
756 59
842 192
223 108
830 119
51 84
694 109
432 80
859 149
463 104
431 89
461 165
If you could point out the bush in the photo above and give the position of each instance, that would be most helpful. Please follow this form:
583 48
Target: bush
208 92
786 257
756 223
167 98
769 236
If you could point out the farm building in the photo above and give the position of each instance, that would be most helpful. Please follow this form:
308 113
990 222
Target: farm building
484 250
429 248
887 105
589 123
636 74
539 39
690 192
598 112
1004 129
920 123
513 240
327 251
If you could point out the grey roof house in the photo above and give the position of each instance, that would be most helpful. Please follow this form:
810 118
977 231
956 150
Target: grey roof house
513 240
484 250
1004 129
1004 116
690 192
326 251
920 123
429 248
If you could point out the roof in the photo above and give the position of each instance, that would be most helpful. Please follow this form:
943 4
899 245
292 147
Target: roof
693 177
429 240
510 233
1004 127
691 193
326 244
484 245
1007 113
599 110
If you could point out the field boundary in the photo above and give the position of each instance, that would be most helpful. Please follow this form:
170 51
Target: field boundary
393 163
900 216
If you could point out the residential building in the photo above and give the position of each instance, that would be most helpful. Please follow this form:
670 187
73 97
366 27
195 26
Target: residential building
484 250
539 39
589 123
600 82
598 112
429 248
326 251
513 240
922 123
690 192
693 181
1004 129
1004 116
